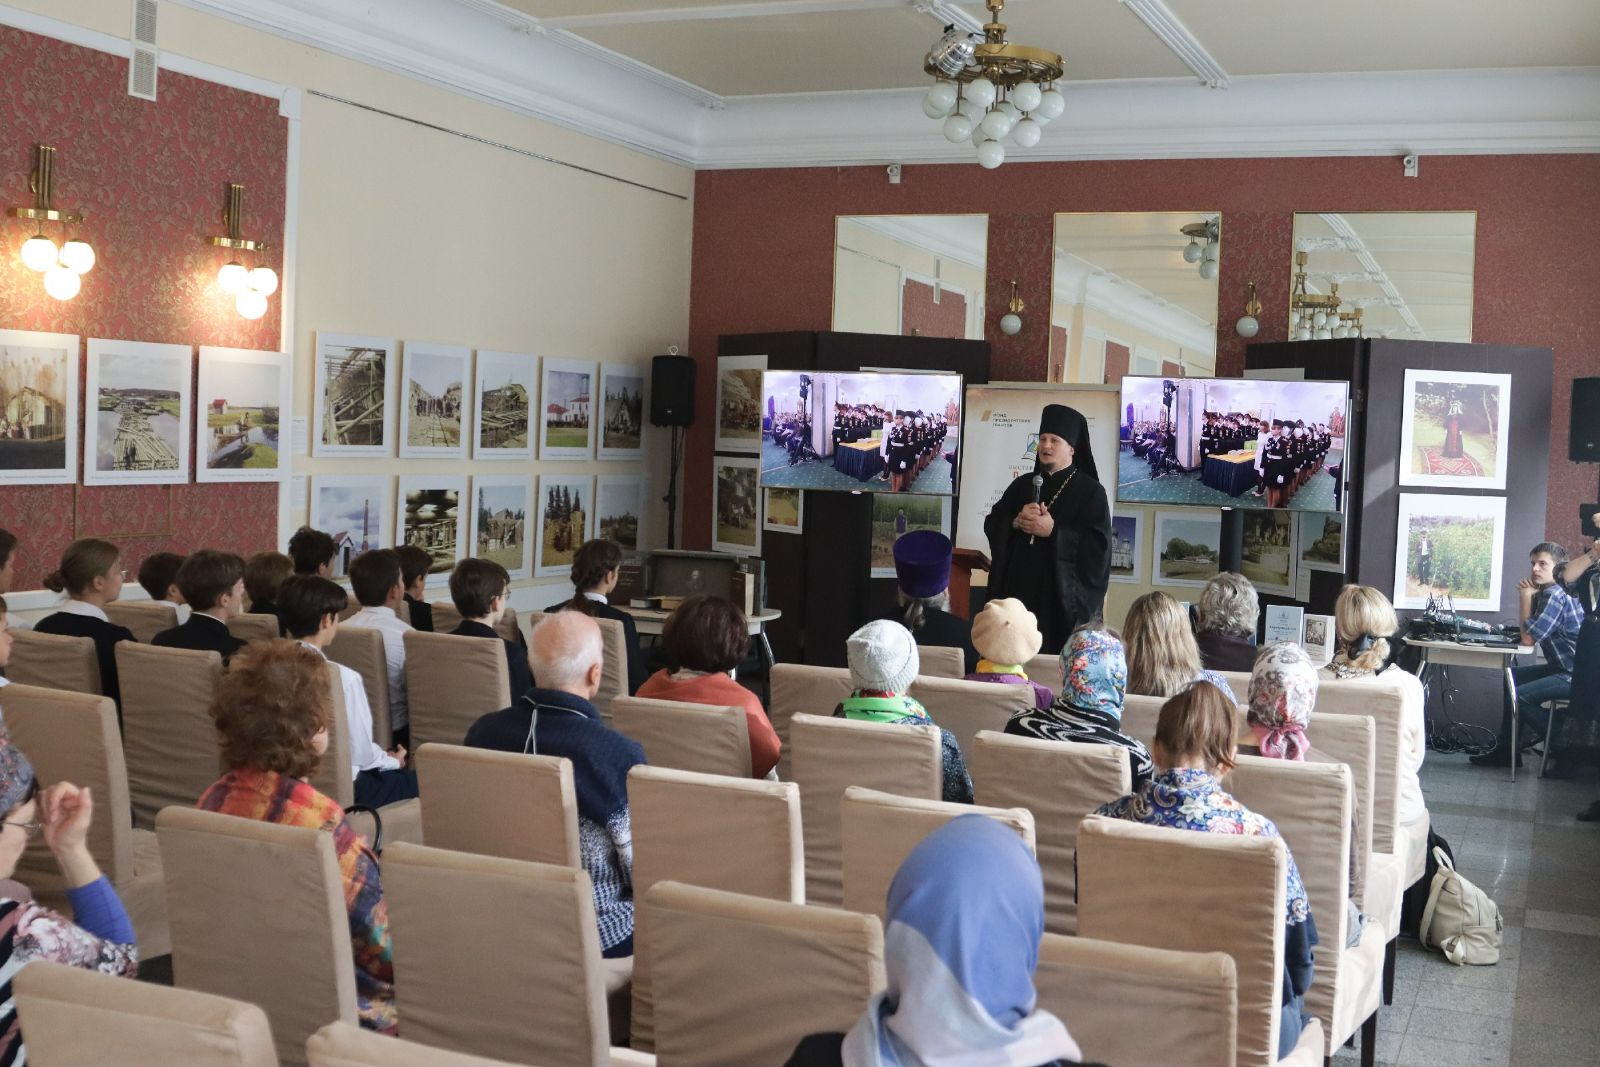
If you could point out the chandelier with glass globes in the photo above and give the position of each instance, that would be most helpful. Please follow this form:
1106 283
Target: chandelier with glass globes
1204 247
988 89
1318 317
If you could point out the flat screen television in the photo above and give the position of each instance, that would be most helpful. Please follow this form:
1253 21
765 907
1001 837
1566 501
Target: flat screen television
1232 442
860 431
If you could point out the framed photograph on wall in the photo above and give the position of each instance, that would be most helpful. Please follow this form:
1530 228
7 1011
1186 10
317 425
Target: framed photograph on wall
1321 542
784 510
894 516
739 403
434 400
622 410
354 510
432 518
619 508
736 505
243 395
38 408
502 507
1269 551
1127 546
566 520
1188 546
566 413
506 394
1454 429
352 381
139 410
1450 548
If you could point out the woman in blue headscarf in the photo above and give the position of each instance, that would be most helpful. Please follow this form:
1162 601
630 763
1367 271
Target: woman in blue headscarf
966 912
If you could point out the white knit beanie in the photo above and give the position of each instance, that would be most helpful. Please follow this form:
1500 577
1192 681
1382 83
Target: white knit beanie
882 657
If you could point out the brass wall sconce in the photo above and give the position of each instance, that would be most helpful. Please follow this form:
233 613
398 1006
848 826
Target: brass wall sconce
1011 321
1250 324
249 287
63 268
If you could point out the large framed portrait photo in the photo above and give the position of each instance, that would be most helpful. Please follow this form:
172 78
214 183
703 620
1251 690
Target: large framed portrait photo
1453 429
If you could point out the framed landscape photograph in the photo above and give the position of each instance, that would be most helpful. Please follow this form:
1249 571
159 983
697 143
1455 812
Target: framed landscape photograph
352 381
566 521
619 508
1322 541
736 504
1451 548
894 516
38 408
1188 546
784 510
506 395
622 410
1269 551
566 419
739 403
1127 546
141 403
502 505
432 518
354 510
433 400
243 395
1453 429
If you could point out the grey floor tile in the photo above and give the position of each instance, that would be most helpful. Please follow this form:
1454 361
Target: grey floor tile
1394 1018
1535 1044
1460 1026
1563 923
1419 1051
1492 1003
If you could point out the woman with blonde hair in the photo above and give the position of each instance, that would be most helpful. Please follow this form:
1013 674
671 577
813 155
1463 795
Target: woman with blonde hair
1163 659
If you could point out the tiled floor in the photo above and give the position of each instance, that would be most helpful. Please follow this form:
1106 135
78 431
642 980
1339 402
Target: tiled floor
1540 1005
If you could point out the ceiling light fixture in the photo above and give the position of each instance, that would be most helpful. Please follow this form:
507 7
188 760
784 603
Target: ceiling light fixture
1316 317
249 287
1205 246
63 268
989 89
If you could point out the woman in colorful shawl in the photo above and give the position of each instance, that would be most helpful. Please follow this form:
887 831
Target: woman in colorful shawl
883 664
1194 748
272 712
965 916
1094 679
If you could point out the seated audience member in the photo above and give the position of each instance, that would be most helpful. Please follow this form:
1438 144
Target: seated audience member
1163 658
1226 630
312 552
8 560
1194 749
213 586
883 664
964 919
158 575
272 712
91 576
264 574
922 568
375 580
479 588
557 719
1006 635
595 569
705 639
309 610
1088 710
414 567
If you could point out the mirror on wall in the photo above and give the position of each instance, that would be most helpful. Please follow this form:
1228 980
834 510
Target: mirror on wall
1134 293
1400 274
912 275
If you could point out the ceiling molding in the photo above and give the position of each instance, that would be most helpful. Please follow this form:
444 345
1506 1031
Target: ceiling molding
926 232
753 9
1160 20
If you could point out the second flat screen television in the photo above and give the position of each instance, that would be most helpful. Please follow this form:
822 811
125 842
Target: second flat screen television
862 431
1232 442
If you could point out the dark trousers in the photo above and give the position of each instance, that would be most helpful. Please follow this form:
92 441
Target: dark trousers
1536 683
374 789
621 950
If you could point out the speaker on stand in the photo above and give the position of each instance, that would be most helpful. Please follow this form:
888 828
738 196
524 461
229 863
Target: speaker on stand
672 405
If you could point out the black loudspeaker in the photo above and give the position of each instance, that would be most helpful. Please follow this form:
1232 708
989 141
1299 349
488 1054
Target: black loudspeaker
671 391
1583 438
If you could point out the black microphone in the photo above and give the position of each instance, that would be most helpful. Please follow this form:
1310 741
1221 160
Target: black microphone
1038 487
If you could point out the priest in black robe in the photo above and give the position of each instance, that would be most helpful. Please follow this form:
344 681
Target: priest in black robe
1054 556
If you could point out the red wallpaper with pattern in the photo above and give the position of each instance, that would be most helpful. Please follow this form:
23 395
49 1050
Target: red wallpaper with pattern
920 316
763 256
150 179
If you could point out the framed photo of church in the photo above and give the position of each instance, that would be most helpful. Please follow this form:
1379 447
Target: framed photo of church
566 521
566 414
1454 429
1127 546
501 517
622 410
38 408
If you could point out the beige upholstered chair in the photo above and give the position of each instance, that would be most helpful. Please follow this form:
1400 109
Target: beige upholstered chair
1139 717
740 980
510 627
351 606
507 804
240 890
879 830
1046 670
52 661
168 736
1127 877
1386 707
830 755
445 616
800 689
1239 684
249 627
686 737
614 669
451 682
1136 1005
334 777
72 737
965 708
1312 803
76 1017
941 661
1060 782
344 1045
145 618
361 649
713 831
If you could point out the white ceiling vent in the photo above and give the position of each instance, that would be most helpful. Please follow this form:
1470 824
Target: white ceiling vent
145 59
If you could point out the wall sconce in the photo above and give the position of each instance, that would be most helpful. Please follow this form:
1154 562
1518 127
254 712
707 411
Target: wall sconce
1250 324
249 287
63 268
1011 321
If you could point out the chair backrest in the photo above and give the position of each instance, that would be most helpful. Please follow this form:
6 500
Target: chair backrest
686 737
1140 714
741 980
1352 740
1130 874
169 739
343 1045
830 755
506 804
334 776
614 668
451 682
496 957
445 616
351 606
1239 683
1060 782
53 661
965 708
77 1016
361 649
941 661
253 627
1385 706
1131 1004
712 831
509 626
879 830
1045 669
802 689
258 914
145 618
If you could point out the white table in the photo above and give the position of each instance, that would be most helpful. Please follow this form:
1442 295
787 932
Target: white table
1501 657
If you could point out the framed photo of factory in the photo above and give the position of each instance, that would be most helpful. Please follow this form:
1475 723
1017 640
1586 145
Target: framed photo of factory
38 408
243 395
566 521
622 410
1454 429
139 408
434 401
506 396
354 510
739 403
353 378
566 415
432 518
619 509
1127 546
736 505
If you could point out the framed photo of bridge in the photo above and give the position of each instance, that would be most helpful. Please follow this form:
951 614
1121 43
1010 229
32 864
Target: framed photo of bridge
507 395
38 408
140 403
353 383
243 397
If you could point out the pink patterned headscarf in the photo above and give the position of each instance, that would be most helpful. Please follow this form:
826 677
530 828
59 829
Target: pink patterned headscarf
1283 690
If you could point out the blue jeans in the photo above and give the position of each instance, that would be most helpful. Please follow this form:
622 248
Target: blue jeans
1536 683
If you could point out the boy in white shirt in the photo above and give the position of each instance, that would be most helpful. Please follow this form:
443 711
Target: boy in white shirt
375 578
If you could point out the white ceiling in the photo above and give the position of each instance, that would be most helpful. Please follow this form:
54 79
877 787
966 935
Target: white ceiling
1142 251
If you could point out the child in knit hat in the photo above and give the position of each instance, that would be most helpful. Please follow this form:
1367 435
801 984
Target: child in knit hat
1006 635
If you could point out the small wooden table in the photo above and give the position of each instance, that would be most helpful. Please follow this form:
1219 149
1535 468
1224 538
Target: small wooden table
1458 654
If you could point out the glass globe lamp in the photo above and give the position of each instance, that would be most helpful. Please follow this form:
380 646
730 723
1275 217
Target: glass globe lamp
1247 326
39 253
77 256
232 277
62 282
251 304
264 280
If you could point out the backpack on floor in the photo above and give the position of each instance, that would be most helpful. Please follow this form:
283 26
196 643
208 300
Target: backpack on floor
1460 919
